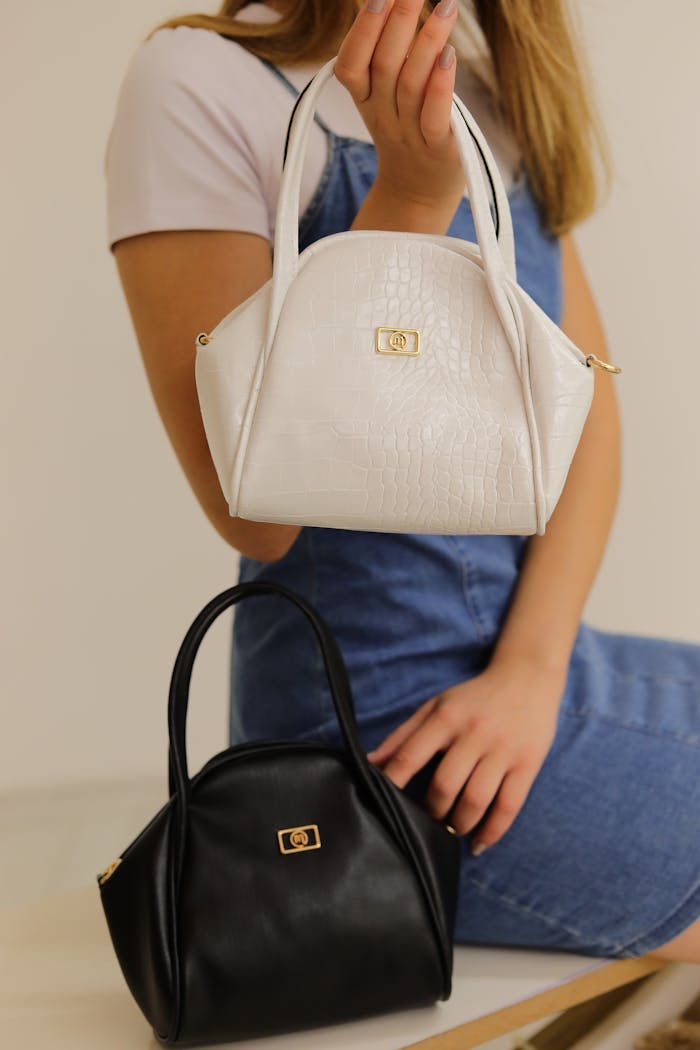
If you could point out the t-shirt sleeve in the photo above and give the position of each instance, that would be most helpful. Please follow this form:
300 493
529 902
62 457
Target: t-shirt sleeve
180 153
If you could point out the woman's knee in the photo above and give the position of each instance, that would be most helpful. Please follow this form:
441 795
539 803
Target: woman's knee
683 948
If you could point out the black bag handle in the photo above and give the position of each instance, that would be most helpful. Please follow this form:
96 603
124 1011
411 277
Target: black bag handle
179 780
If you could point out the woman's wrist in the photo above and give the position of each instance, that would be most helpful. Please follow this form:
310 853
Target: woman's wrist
535 660
549 673
384 209
537 633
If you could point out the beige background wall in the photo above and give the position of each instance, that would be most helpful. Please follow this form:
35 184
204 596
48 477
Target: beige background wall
106 555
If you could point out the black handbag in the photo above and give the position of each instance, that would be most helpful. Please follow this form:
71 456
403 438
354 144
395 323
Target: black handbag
286 886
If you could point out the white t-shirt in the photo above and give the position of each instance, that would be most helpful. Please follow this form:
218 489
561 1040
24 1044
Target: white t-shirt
198 134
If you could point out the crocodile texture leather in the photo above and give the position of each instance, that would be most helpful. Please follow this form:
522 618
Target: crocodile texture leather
308 424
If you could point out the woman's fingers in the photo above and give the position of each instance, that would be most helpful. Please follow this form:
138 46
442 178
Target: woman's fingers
434 734
452 772
511 796
355 52
422 76
390 53
434 120
394 740
479 791
404 96
381 55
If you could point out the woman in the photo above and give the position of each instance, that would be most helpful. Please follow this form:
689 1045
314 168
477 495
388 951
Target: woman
569 754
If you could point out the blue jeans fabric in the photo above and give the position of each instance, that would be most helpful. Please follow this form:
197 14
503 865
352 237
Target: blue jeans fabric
604 856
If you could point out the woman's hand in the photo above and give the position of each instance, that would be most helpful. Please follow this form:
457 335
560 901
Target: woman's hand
404 96
495 730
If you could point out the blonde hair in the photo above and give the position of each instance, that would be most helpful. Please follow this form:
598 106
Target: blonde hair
524 53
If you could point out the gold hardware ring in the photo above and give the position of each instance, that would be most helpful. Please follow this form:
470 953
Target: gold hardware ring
591 359
109 871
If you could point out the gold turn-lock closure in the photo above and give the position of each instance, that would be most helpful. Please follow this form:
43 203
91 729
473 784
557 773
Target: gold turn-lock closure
405 341
296 840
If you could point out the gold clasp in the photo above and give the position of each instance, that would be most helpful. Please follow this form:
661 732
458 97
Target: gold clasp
591 359
203 339
299 839
404 341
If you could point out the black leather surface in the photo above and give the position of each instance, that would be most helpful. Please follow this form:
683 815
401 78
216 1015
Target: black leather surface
222 936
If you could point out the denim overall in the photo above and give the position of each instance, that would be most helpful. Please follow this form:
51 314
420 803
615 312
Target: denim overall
603 857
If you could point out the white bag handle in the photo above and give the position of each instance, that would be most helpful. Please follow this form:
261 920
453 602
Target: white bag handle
498 254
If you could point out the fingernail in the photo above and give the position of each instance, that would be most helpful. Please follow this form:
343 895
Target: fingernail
446 56
445 8
375 6
478 849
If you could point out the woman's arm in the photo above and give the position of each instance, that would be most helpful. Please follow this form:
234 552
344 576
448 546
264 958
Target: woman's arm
560 565
178 283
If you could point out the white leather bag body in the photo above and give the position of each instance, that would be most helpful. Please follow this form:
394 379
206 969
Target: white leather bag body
393 381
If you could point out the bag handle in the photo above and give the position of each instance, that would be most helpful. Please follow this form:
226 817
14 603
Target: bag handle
504 226
179 780
498 255
499 197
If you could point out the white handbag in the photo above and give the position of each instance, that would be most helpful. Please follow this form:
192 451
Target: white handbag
393 381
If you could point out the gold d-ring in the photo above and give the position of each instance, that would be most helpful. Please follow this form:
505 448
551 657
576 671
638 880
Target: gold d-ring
591 359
